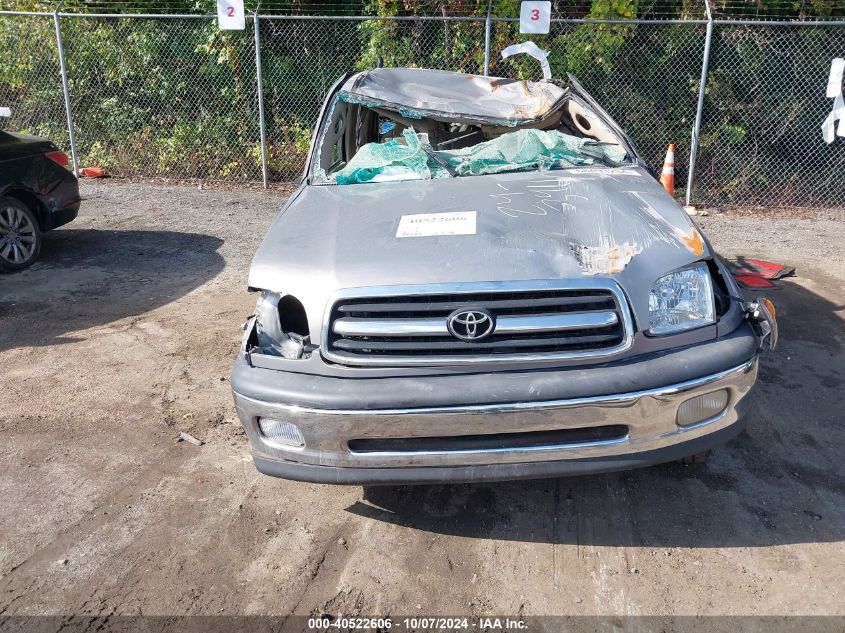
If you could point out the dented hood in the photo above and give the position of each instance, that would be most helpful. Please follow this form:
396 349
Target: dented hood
567 224
456 95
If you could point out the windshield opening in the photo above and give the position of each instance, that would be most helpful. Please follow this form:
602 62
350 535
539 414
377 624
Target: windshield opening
362 144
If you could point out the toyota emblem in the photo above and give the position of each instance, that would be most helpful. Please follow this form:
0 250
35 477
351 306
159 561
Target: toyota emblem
471 324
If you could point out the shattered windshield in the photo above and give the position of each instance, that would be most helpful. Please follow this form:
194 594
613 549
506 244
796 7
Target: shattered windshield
413 157
363 140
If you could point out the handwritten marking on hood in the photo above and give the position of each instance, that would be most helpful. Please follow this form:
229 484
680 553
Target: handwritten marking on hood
606 234
505 203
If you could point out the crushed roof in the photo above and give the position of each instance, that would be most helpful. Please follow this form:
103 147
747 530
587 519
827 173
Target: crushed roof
454 95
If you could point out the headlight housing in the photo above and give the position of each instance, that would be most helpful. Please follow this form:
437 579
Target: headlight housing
682 300
270 332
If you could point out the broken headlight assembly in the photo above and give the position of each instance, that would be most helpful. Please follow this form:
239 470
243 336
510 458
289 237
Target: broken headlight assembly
281 327
682 300
762 315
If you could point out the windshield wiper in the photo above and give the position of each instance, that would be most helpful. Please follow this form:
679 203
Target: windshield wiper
440 161
599 155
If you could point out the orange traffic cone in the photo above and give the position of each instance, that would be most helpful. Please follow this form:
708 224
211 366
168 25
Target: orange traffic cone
667 176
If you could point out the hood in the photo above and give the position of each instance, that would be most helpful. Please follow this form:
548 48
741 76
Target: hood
614 223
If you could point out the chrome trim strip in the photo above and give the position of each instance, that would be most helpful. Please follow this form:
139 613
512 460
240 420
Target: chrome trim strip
468 288
390 327
504 325
555 322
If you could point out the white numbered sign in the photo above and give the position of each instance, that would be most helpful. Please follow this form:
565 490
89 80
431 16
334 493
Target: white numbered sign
534 17
230 15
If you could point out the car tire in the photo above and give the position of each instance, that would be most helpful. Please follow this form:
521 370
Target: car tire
20 236
698 458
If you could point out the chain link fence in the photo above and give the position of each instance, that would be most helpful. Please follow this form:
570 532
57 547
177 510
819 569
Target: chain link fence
32 85
174 97
645 75
151 98
761 140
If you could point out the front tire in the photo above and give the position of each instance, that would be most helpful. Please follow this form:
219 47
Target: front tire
20 237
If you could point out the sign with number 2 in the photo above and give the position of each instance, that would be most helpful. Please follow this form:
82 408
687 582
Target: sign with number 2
230 15
534 17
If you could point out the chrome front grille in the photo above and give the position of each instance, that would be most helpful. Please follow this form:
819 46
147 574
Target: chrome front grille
533 320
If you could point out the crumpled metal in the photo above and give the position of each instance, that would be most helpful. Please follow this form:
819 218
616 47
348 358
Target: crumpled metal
441 94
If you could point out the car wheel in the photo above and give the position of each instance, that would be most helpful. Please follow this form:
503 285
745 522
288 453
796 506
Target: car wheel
20 237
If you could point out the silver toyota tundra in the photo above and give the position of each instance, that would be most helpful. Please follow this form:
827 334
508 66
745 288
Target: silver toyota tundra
480 279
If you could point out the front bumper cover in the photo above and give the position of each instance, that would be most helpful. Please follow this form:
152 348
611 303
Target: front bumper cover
497 472
535 401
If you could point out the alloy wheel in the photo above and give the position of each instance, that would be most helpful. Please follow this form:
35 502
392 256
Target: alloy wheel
17 235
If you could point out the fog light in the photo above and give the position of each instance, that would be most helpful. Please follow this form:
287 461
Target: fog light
701 408
281 432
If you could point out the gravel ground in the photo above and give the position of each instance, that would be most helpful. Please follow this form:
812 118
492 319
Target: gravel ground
123 335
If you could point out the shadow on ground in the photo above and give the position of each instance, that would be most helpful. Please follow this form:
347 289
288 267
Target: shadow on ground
86 278
781 481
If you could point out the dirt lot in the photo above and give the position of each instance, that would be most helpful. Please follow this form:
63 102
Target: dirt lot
124 333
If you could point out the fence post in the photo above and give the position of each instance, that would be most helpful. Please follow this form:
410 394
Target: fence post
487 28
260 88
708 37
68 111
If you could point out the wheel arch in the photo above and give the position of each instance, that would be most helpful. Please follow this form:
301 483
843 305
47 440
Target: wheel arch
29 199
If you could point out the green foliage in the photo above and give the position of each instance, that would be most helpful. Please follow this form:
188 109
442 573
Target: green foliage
426 44
287 149
764 106
178 97
597 44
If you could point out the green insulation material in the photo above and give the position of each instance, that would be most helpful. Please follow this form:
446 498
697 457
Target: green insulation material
520 150
523 149
387 161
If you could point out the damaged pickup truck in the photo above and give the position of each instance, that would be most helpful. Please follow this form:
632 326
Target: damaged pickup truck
479 279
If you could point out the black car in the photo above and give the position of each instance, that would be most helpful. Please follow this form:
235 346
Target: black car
37 193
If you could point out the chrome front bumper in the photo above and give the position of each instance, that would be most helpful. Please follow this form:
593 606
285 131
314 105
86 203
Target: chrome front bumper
649 414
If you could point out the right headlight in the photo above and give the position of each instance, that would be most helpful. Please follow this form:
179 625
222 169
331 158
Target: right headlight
682 300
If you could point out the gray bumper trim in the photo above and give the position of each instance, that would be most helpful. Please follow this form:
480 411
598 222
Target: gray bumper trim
453 388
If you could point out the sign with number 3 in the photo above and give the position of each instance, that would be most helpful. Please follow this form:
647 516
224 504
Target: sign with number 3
534 17
230 15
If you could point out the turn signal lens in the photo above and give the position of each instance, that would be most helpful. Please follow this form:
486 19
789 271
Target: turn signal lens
771 306
701 408
280 432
